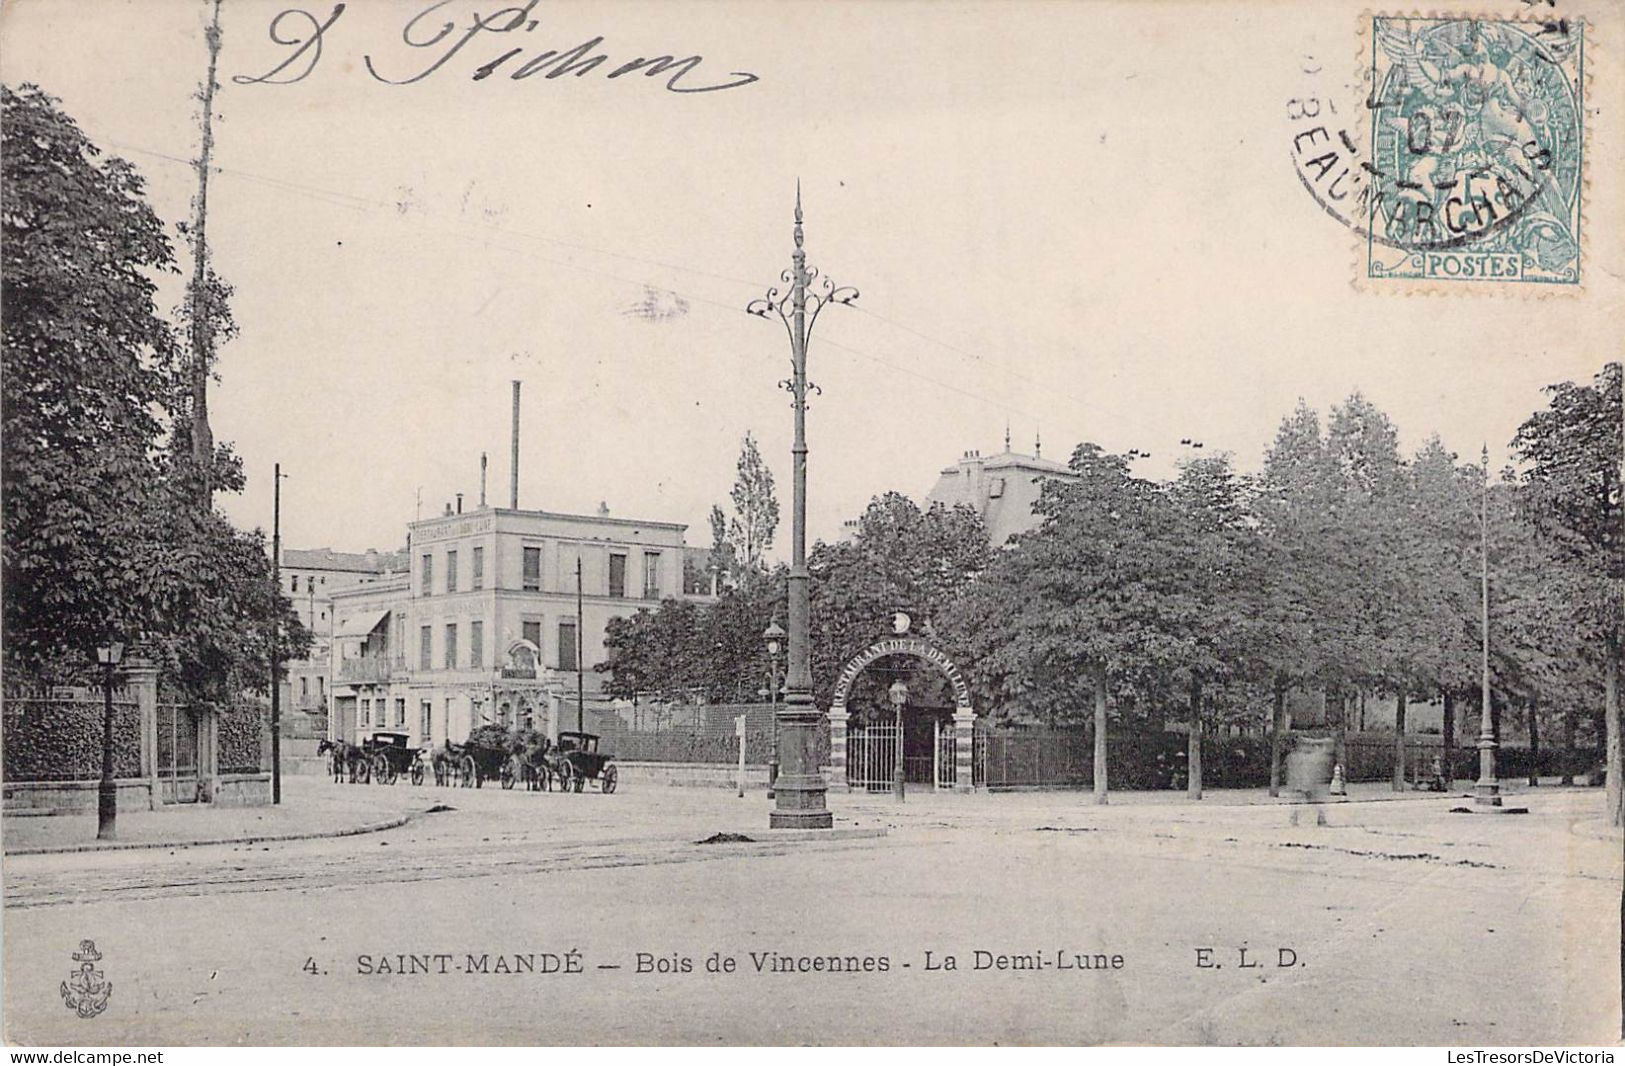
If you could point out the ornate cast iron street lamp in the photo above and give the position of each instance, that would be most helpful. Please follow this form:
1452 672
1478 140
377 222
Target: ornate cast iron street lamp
799 791
108 655
773 637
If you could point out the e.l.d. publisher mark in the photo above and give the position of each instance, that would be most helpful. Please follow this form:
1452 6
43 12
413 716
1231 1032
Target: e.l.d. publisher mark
87 989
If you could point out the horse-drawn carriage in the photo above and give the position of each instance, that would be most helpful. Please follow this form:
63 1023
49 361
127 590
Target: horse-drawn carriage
575 760
381 759
389 755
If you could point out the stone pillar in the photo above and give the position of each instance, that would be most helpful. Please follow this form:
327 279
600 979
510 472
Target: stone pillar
208 751
964 741
837 748
142 679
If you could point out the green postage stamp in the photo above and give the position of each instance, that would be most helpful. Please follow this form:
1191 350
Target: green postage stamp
1477 138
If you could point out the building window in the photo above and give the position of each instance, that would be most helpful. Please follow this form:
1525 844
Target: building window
366 713
531 630
400 714
451 571
428 575
479 568
451 645
533 569
617 574
426 721
567 644
426 648
304 688
321 687
476 645
651 575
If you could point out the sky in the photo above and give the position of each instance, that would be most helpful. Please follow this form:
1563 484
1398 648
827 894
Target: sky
1080 220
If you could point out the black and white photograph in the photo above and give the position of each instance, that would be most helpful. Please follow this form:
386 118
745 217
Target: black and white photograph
837 523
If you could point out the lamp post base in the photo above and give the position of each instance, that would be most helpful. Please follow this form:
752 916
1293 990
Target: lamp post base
106 811
800 820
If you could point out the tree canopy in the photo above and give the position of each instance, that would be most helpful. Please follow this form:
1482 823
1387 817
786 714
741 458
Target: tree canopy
102 539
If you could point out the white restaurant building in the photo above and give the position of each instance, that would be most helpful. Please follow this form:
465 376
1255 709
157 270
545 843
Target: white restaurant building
484 627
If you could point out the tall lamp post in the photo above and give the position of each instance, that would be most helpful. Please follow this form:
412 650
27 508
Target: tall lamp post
1487 790
276 634
108 655
773 637
799 792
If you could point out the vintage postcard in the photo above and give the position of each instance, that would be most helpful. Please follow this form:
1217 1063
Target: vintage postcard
533 522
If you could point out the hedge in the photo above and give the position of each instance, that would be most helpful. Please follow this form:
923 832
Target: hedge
242 731
61 740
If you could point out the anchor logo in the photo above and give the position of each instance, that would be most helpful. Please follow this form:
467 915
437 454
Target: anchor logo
86 990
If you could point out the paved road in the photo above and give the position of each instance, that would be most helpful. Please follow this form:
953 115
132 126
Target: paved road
1407 925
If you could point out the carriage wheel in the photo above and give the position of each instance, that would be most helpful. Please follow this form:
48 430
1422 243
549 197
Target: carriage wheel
417 772
567 775
391 774
469 772
509 772
606 783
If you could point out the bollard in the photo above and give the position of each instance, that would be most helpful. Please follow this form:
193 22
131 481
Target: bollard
897 784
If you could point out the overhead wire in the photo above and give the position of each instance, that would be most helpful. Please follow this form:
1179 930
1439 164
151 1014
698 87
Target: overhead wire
460 229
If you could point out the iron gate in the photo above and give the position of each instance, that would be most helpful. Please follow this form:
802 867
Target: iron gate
177 754
947 750
872 754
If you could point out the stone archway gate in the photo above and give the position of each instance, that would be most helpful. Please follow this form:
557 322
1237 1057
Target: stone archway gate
964 713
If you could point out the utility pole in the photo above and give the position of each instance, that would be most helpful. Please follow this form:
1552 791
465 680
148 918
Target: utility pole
202 309
581 637
276 636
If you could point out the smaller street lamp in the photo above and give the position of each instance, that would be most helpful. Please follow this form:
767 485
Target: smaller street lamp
108 655
773 637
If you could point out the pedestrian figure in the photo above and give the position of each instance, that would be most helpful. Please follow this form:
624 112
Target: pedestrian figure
1308 773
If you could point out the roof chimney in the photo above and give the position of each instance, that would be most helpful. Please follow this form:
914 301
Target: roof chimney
482 479
459 503
603 509
448 508
513 490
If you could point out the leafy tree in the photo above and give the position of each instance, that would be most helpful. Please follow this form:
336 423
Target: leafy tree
1571 487
100 541
1088 601
739 544
1210 543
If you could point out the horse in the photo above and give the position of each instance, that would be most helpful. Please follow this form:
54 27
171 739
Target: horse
530 765
446 761
347 759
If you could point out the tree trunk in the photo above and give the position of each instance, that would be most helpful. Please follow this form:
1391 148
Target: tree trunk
1533 712
1449 739
1100 736
1277 727
1568 744
1399 741
1614 802
1193 785
1336 698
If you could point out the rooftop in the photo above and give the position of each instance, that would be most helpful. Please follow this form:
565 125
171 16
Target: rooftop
370 561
